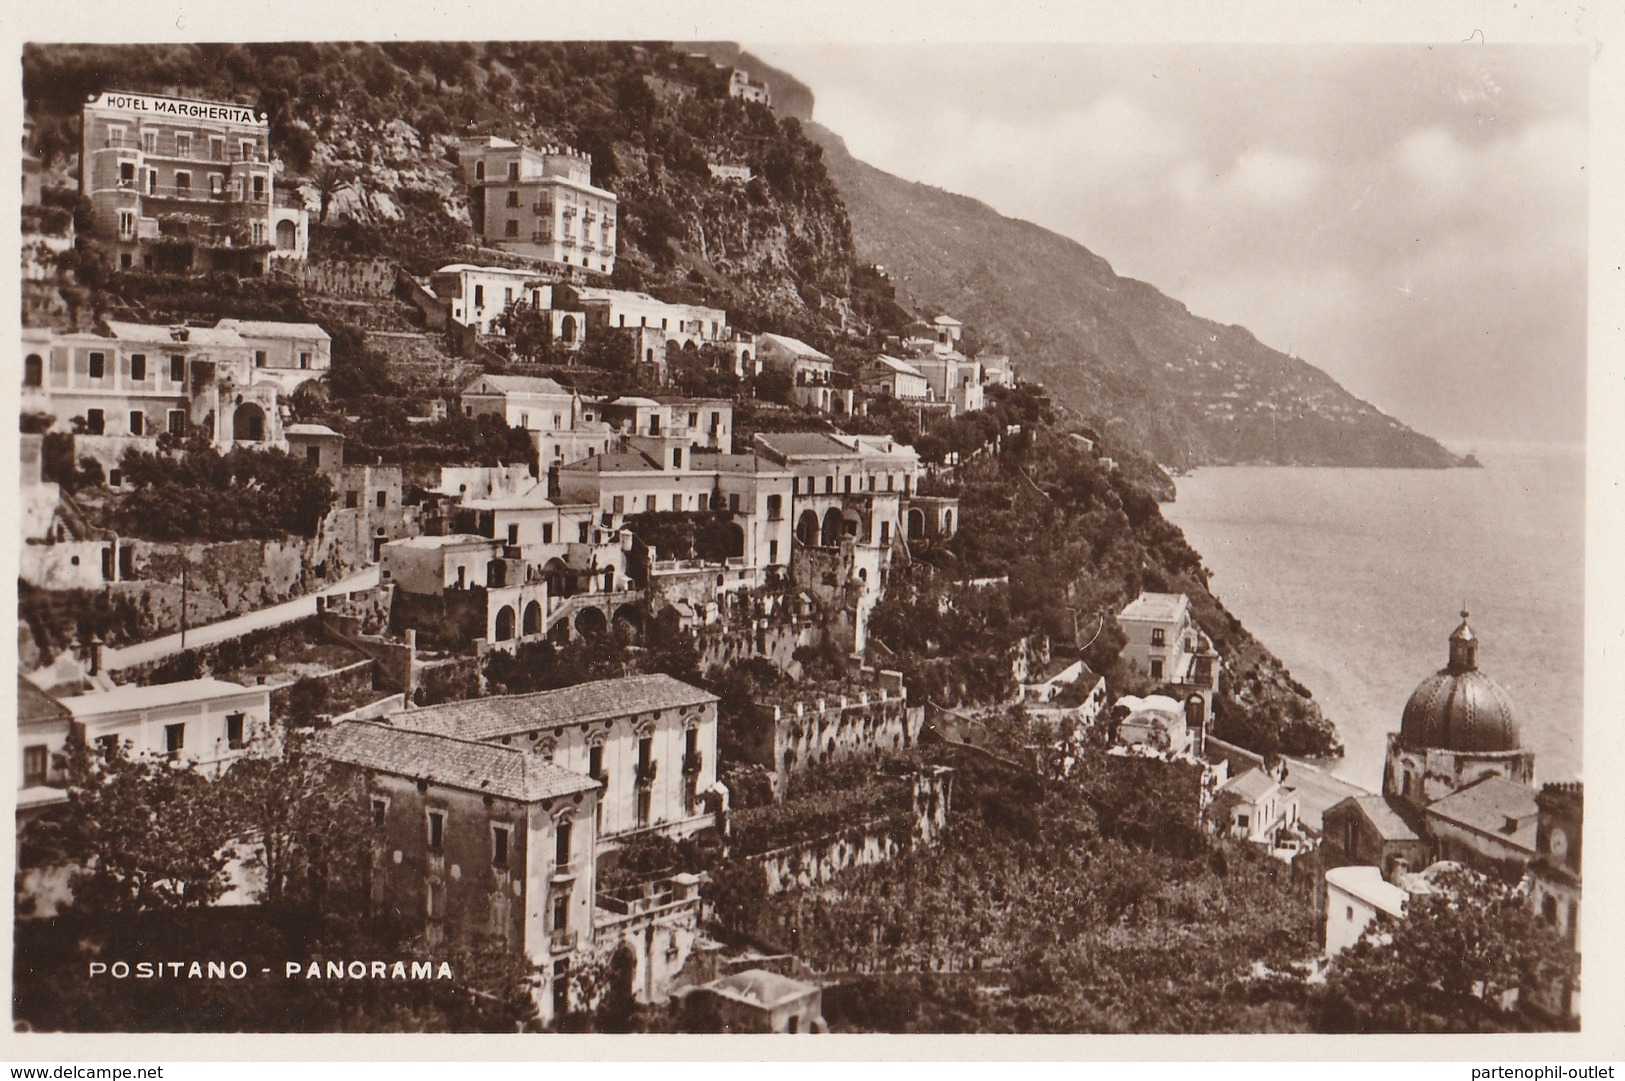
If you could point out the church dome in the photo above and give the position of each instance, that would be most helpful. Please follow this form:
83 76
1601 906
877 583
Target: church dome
1459 708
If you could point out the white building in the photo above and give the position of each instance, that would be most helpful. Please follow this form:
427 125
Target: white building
541 204
1355 896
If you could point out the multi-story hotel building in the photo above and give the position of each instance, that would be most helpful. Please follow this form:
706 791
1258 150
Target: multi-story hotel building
178 185
540 203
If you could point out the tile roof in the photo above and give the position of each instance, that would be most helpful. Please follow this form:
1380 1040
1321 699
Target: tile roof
1155 606
803 444
34 706
146 332
505 715
759 987
629 460
792 345
1252 786
131 697
518 384
1487 806
485 768
1386 815
262 328
902 367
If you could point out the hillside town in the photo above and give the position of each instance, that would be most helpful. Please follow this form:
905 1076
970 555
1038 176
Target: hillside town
590 669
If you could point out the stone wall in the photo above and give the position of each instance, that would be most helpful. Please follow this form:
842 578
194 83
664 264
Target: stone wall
791 737
816 861
353 279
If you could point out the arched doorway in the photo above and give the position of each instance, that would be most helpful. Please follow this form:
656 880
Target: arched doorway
532 622
807 528
916 523
947 523
505 620
557 578
735 546
830 537
628 623
248 423
287 236
590 622
567 330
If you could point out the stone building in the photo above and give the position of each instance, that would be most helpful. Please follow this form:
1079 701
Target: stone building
649 741
540 203
178 185
1458 727
480 841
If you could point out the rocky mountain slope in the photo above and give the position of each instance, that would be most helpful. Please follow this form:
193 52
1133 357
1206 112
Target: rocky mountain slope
1138 363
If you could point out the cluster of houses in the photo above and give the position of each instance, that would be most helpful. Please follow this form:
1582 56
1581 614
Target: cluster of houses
494 813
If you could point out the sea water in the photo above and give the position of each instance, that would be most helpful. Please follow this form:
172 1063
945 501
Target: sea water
1356 577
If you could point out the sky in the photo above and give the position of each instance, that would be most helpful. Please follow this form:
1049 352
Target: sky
1410 218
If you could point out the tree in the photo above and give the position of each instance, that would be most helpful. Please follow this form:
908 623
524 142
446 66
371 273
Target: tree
312 822
330 178
142 834
528 329
1456 962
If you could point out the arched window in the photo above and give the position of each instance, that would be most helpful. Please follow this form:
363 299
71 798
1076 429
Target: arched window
34 371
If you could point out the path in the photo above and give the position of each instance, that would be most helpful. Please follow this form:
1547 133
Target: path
277 614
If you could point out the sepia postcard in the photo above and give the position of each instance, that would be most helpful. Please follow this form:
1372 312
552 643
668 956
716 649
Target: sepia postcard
879 529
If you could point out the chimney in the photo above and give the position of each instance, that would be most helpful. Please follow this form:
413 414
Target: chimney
95 654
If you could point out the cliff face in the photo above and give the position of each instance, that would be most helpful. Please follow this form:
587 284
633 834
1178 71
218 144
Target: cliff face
1133 361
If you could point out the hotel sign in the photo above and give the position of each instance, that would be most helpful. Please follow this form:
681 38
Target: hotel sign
180 109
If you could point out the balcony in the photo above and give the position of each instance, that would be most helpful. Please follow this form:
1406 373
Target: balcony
545 236
562 941
190 194
569 211
646 772
693 761
588 217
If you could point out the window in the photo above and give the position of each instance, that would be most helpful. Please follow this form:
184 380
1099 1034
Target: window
513 170
245 147
258 232
36 760
108 747
617 506
676 460
115 135
645 806
561 911
547 532
183 182
174 739
561 844
829 485
645 750
510 227
98 365
582 527
775 507
313 455
649 502
1156 669
436 900
234 730
847 481
177 369
513 534
479 296
380 811
513 198
595 761
1349 913
352 500
773 551
479 170
260 359
500 836
437 831
383 500
138 367
138 422
1243 822
34 371
183 144
1158 637
217 148
149 142
733 502
95 422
